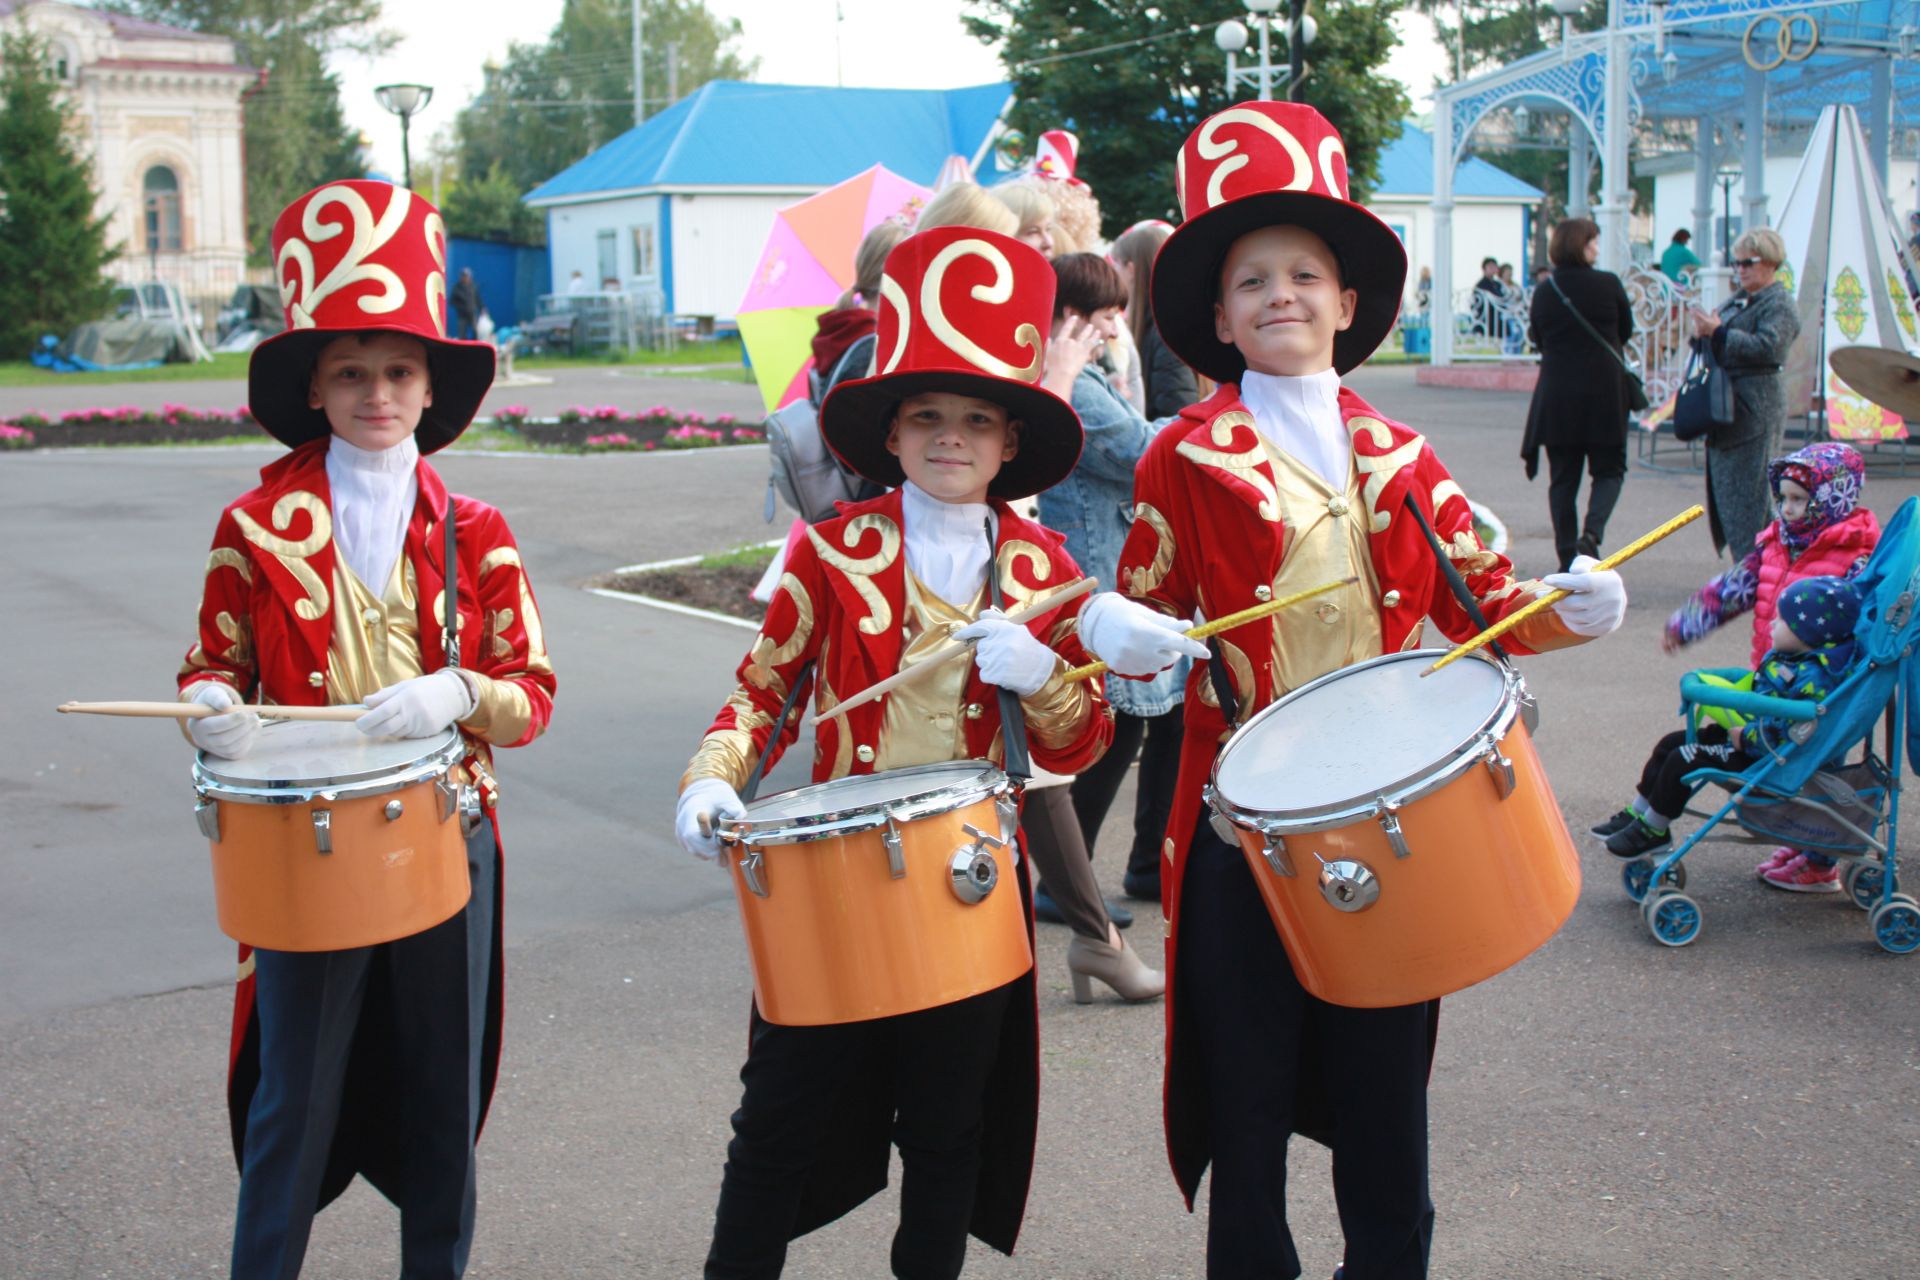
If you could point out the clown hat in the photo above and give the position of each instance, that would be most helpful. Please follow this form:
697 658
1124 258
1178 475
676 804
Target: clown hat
964 311
1264 164
354 257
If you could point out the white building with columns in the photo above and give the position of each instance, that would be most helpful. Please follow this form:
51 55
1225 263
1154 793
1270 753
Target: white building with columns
160 113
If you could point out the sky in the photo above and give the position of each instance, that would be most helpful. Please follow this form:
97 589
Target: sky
794 40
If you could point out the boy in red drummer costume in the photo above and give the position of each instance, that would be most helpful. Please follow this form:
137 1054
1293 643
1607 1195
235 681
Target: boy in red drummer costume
326 585
955 419
1274 287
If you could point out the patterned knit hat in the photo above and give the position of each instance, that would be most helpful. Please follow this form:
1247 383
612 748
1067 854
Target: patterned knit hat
1821 611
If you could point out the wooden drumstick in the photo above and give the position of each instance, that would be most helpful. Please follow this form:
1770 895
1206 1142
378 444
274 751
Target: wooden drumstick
200 711
921 670
1229 622
1547 601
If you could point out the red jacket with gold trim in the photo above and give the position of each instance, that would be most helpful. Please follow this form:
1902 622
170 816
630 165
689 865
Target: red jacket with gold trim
1207 535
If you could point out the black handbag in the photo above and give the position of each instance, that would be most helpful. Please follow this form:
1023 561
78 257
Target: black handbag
1704 402
1637 401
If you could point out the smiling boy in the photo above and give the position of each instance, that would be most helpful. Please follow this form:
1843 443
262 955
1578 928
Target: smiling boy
325 586
1275 286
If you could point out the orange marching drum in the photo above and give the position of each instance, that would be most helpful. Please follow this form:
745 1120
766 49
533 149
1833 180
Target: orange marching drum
1400 829
325 839
880 894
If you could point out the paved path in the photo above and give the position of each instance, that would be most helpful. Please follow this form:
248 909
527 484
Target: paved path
1743 1107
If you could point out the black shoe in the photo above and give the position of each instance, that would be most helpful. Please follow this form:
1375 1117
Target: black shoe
1145 887
1612 826
1588 545
1637 840
1120 916
1045 909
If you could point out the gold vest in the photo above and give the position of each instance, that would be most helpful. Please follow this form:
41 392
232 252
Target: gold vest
1325 540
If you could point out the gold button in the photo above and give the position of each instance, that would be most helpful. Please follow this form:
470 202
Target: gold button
1263 594
863 753
1391 600
316 679
975 711
1337 505
371 614
1328 613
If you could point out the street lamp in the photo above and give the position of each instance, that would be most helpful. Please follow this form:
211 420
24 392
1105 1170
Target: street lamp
404 100
1232 38
1727 178
1566 9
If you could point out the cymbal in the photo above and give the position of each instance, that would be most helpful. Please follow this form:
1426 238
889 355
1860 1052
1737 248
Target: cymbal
1891 379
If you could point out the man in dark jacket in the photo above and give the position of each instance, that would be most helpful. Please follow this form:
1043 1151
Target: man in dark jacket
465 300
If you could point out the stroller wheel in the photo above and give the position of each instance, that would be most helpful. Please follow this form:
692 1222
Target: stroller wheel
1637 877
1864 882
1672 918
1896 924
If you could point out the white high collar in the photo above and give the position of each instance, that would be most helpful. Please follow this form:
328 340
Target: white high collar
1302 416
373 495
947 545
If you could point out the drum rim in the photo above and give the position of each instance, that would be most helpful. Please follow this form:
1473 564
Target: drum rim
209 782
988 782
1414 786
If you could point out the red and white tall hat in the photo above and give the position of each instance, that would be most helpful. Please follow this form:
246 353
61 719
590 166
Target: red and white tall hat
354 257
1263 164
964 311
1057 156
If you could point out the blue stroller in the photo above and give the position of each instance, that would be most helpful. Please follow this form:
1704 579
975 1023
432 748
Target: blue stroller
1809 794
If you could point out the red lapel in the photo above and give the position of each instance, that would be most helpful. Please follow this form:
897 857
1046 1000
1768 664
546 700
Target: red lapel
288 526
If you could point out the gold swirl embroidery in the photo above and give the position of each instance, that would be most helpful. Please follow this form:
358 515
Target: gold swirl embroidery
293 555
861 572
1212 149
894 296
1243 465
228 558
1467 554
1139 582
763 663
1026 336
824 700
239 636
1018 594
1378 470
502 647
537 659
1241 669
302 295
434 231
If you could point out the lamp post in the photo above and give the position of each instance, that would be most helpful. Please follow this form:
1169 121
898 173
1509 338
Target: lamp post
1727 178
1566 9
1232 37
404 100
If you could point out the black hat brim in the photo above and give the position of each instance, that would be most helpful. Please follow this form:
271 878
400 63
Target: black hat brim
857 416
1186 276
280 372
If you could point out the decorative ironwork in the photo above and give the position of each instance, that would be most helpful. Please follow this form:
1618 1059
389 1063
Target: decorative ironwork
1490 326
1579 83
1662 329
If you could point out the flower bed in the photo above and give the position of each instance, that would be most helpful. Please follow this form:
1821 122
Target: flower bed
607 428
129 425
12 437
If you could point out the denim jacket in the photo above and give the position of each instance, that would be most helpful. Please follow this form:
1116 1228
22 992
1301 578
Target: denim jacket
1093 509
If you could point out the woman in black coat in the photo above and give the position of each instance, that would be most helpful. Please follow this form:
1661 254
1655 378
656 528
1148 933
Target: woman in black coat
1579 410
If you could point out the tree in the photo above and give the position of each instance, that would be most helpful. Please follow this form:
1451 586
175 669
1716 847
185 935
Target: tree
1134 77
53 248
1491 33
488 208
296 135
549 105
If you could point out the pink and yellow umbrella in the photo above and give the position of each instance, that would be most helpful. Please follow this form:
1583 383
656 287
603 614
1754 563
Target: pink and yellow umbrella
806 264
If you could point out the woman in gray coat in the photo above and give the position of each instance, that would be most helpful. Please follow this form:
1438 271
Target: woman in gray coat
1751 335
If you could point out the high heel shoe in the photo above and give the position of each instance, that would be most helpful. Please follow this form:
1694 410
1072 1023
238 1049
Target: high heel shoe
1115 964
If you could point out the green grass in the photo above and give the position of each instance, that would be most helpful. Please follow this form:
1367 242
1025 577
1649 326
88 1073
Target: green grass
19 373
723 352
747 557
1397 356
718 373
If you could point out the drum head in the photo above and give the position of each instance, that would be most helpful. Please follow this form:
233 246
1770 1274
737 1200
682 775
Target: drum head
1364 731
307 753
927 788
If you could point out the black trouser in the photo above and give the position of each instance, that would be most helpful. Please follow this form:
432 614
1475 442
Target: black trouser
308 1005
1252 1021
1094 789
1608 467
936 1064
1673 759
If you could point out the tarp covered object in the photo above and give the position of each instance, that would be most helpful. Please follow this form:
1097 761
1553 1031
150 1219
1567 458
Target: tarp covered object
118 344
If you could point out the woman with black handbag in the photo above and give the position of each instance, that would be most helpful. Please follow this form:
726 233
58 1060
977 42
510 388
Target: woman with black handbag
1750 335
1581 321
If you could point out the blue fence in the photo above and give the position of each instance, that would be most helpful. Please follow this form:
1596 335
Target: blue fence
511 276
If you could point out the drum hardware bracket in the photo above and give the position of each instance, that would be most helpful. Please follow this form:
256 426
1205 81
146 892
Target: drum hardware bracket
1499 766
1348 884
1387 813
973 870
207 814
1007 808
753 872
896 851
323 830
1274 849
1529 711
460 798
393 809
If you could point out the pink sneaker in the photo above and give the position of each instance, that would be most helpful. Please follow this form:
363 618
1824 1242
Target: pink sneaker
1777 859
1801 876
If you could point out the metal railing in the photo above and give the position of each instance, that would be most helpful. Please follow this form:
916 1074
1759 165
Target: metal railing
1490 326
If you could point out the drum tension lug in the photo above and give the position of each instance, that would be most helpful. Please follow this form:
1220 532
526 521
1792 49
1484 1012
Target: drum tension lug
896 851
1500 767
1387 813
753 872
207 814
1530 711
1275 851
323 830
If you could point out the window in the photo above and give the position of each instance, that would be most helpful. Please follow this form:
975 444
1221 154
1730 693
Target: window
161 192
643 252
609 247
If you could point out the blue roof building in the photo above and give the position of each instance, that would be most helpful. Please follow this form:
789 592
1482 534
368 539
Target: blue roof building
681 205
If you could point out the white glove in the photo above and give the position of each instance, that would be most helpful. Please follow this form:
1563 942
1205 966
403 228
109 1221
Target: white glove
416 708
1598 601
696 819
1008 655
1132 639
229 735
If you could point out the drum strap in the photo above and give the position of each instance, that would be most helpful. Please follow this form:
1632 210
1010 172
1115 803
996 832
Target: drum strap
450 593
1222 680
1013 718
1454 580
773 739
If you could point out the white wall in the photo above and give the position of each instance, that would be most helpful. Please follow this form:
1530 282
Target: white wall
573 242
716 245
1673 198
1479 231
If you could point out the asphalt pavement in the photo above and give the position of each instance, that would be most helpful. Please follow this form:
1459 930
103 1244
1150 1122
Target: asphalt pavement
1609 1108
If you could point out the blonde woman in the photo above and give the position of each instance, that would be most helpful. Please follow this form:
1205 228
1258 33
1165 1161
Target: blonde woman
967 204
1034 209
